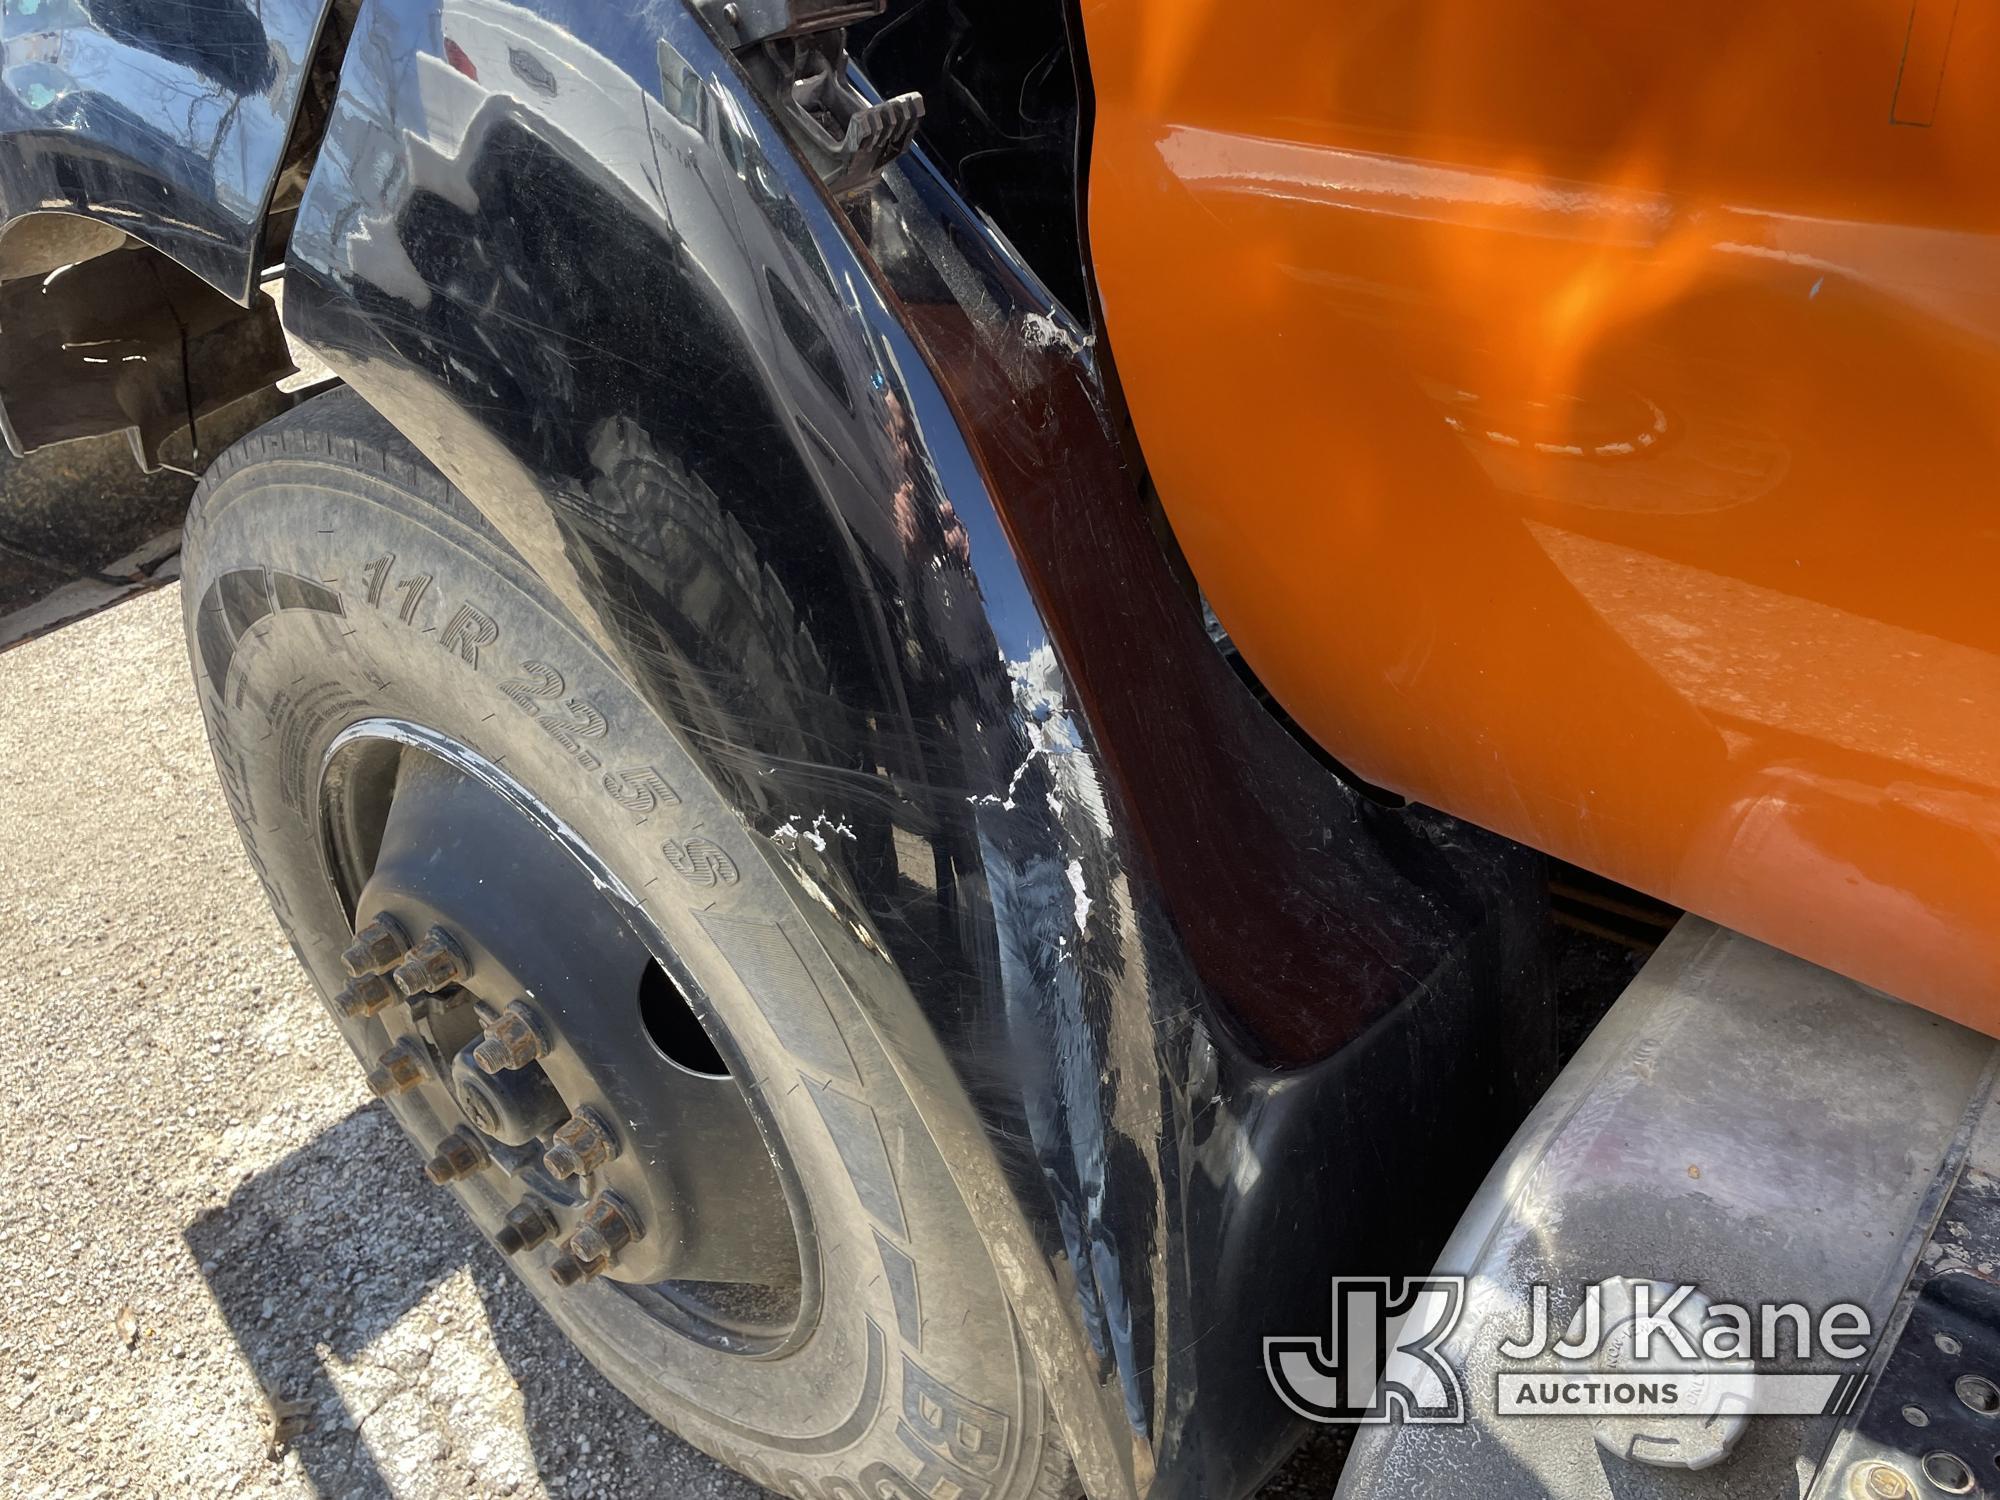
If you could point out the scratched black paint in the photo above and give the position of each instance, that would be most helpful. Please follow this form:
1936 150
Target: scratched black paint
164 118
836 491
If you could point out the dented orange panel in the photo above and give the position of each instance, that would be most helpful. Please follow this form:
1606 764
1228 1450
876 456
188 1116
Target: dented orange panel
1584 417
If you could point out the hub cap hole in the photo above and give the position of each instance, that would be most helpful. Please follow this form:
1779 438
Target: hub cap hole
1980 1394
1948 1472
672 1027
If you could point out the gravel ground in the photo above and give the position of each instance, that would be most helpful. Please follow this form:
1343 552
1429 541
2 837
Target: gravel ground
235 1280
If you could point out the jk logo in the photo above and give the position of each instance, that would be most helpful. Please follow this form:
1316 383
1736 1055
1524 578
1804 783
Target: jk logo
1381 1361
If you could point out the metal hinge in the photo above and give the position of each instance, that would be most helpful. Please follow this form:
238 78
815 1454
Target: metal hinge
796 54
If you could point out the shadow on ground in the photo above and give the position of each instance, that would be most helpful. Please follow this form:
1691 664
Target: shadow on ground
328 1267
357 1292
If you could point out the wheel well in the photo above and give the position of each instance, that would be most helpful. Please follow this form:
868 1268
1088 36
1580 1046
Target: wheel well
100 334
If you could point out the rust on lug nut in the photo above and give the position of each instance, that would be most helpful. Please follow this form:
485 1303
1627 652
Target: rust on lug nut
528 1224
514 1038
378 946
431 965
364 995
568 1270
459 1154
608 1226
580 1145
396 1071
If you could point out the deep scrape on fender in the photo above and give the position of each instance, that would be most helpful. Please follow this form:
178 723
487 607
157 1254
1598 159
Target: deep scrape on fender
618 313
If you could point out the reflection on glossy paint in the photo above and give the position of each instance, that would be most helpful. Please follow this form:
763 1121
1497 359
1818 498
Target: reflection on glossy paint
1612 419
185 107
713 441
1089 906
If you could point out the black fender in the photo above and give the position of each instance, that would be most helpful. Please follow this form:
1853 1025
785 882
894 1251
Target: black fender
165 120
1194 1022
155 128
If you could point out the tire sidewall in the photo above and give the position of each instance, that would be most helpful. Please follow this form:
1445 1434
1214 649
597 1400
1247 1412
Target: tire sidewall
387 599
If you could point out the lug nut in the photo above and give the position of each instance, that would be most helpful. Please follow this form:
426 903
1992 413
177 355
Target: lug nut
568 1270
581 1145
514 1038
458 1155
608 1226
589 1246
364 995
431 965
396 1071
528 1224
378 946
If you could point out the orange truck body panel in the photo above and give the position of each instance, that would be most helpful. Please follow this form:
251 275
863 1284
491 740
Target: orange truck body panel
1584 419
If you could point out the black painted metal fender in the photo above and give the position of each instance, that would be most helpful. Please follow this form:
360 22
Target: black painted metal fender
165 120
1193 1023
142 144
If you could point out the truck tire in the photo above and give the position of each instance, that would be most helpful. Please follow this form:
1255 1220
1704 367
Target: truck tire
363 640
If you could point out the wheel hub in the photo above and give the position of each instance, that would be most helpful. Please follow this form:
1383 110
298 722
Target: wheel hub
515 1108
515 1019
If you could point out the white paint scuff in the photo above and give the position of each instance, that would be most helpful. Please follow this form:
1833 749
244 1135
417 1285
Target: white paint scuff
815 832
1075 872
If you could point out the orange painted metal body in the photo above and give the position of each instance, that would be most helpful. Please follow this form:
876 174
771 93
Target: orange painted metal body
1586 419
